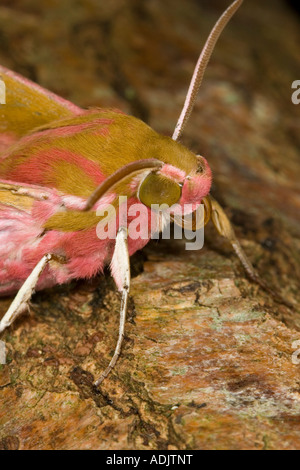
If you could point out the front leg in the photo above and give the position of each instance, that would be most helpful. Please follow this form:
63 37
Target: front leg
120 268
21 301
224 227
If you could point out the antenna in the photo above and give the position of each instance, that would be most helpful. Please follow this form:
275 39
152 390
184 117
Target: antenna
201 67
118 176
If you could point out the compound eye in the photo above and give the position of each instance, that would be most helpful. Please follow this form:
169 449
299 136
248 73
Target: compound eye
158 189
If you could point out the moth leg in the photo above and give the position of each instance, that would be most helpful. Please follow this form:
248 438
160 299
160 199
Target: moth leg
20 302
120 268
224 227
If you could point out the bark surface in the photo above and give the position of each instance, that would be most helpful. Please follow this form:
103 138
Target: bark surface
207 359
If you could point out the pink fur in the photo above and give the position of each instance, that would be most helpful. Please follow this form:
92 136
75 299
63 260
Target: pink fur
38 169
173 172
100 126
6 140
78 203
23 243
197 187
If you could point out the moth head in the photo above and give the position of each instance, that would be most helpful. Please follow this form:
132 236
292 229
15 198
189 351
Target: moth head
197 183
171 189
171 185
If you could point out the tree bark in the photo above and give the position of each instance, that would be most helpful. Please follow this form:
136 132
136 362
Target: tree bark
207 359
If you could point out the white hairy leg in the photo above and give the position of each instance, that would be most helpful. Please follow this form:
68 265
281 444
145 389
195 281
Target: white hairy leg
20 302
120 268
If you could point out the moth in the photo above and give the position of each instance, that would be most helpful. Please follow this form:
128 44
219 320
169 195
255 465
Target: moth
61 164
